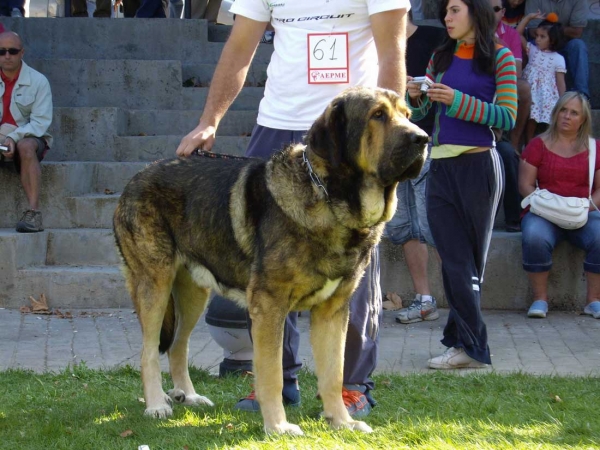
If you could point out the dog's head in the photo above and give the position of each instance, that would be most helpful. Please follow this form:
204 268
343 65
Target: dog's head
367 131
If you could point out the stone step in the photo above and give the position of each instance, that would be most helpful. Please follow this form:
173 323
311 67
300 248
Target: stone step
151 148
91 211
62 184
248 99
505 285
81 247
124 83
71 287
169 122
73 38
201 74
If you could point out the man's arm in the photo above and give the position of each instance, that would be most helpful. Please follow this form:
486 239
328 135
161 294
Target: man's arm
389 32
40 117
226 84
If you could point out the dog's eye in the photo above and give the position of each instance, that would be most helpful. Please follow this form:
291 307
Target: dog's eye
379 115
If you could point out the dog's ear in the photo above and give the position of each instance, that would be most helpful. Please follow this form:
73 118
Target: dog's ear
327 136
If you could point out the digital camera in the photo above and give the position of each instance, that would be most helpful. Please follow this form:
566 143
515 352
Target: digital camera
423 82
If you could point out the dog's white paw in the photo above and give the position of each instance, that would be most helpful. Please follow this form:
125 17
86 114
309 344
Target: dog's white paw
161 412
284 428
358 426
195 400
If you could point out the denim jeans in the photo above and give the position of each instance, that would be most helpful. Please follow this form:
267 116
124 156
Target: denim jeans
576 56
410 219
541 236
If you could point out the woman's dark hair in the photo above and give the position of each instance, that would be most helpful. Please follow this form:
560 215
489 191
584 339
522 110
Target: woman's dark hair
484 24
555 34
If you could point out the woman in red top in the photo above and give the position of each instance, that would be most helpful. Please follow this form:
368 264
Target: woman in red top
558 161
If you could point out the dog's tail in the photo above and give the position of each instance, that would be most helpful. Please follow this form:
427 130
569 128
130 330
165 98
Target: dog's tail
167 332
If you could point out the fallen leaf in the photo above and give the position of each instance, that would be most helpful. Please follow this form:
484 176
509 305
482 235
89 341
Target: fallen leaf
126 433
39 306
392 302
557 399
25 309
229 426
108 191
141 400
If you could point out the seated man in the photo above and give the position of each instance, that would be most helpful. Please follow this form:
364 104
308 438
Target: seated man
573 17
26 116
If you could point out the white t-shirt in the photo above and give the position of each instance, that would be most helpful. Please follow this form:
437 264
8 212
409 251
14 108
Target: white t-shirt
340 50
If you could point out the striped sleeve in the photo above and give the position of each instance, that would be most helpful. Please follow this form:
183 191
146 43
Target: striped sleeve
503 112
419 112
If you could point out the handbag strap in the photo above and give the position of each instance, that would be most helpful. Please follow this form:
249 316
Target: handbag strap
592 166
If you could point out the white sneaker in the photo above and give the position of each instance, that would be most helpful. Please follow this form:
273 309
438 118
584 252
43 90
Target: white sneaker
455 358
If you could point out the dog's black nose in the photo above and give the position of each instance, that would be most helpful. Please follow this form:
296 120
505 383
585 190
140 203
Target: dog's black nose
419 138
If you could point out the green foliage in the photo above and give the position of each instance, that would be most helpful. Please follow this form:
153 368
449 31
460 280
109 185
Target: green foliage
81 408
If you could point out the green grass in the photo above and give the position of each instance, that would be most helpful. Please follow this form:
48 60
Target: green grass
81 408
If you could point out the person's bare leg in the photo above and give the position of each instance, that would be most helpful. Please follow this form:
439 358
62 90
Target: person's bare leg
539 284
524 94
593 287
417 257
31 171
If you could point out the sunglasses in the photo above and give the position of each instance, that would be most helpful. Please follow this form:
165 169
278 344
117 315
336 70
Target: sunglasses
11 51
497 8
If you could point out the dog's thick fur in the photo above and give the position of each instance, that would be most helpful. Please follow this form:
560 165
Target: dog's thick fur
264 234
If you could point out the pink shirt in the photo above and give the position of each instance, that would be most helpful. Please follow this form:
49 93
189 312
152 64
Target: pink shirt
568 177
511 39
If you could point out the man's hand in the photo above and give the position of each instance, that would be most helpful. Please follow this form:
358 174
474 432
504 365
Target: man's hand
201 137
439 92
8 142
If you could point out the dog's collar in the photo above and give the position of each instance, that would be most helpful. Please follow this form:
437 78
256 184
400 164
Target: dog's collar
312 174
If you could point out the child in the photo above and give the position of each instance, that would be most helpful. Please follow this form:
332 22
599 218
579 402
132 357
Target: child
545 70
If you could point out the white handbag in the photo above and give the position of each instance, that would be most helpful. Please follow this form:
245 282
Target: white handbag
569 213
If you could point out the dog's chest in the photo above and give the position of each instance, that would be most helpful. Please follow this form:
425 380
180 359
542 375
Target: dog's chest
320 295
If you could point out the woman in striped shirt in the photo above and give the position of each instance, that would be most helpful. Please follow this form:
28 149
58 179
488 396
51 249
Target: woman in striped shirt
473 89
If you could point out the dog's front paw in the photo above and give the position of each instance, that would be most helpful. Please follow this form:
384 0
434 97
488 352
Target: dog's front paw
195 400
161 412
284 428
358 426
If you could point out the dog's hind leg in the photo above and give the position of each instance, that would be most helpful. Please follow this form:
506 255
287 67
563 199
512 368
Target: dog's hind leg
151 298
328 336
190 301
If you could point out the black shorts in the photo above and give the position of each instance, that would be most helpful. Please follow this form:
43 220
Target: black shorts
42 148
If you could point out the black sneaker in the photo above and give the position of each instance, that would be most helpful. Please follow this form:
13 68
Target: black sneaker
31 222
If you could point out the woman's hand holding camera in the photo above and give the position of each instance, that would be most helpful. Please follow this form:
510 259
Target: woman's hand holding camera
439 92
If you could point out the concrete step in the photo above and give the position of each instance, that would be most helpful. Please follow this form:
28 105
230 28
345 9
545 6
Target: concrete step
151 148
505 283
92 210
248 99
123 83
81 247
71 287
73 38
62 185
202 74
169 122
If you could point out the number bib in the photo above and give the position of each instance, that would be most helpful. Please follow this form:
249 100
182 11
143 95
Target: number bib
328 58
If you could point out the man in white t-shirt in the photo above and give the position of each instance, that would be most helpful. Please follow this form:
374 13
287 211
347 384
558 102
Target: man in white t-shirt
321 47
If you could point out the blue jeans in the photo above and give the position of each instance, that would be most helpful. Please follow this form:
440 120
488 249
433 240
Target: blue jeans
576 56
541 236
410 220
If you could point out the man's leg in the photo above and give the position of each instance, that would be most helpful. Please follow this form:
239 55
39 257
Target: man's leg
576 56
29 153
264 143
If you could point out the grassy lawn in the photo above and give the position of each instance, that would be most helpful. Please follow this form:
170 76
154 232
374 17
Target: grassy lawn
91 409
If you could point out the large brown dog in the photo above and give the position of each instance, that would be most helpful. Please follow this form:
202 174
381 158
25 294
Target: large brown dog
288 234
